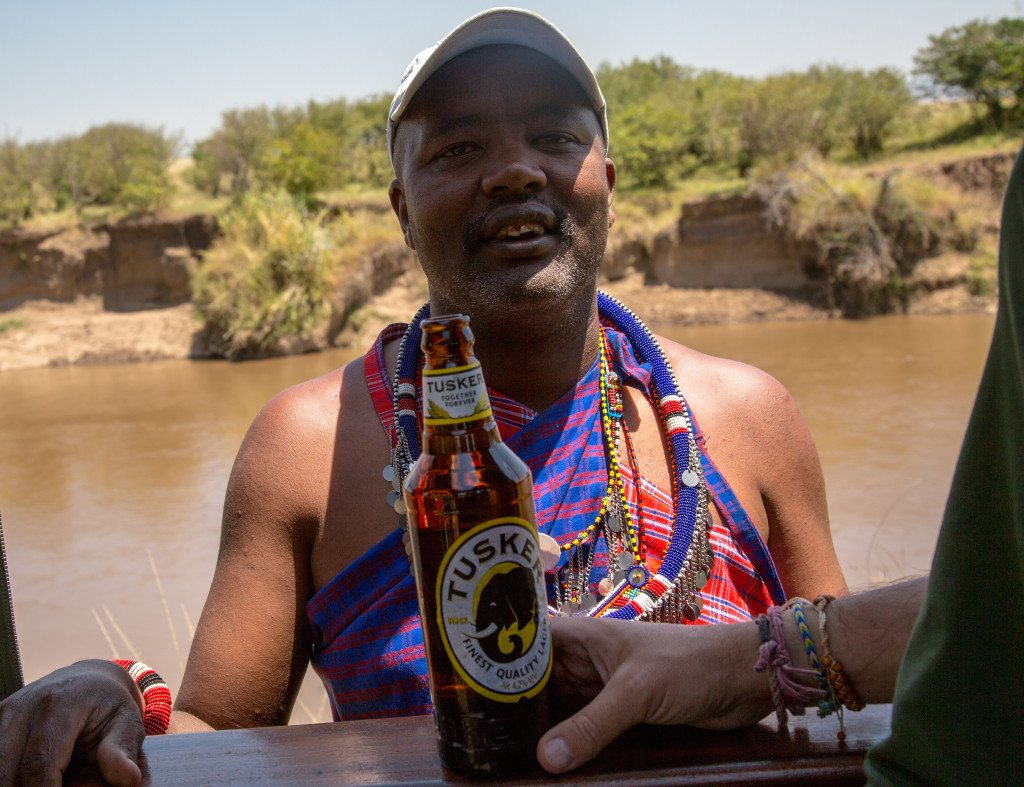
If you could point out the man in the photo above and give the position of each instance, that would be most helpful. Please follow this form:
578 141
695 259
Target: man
957 697
503 188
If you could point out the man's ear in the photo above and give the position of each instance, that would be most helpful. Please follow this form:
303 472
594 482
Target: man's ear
398 204
609 170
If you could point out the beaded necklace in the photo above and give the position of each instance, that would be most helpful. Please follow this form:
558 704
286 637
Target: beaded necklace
631 591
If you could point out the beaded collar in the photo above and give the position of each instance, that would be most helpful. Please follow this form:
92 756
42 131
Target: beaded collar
671 594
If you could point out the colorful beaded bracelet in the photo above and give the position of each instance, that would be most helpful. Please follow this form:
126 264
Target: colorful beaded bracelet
156 697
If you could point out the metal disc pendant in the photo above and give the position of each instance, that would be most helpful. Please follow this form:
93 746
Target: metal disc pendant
399 505
689 478
573 607
625 560
388 472
550 551
605 586
692 608
588 601
701 579
392 497
618 576
614 521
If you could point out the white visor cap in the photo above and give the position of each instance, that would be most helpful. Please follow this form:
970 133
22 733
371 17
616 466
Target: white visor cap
488 28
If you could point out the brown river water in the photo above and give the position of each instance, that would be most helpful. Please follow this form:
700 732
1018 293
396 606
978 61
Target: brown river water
105 467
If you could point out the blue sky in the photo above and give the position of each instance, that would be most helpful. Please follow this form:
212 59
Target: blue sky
67 65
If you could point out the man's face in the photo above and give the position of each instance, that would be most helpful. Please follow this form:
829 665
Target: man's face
503 187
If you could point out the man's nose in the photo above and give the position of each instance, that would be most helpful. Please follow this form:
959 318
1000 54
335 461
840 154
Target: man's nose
514 171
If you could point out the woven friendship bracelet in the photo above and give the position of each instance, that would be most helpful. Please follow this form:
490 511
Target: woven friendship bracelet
838 681
156 697
764 630
829 703
774 657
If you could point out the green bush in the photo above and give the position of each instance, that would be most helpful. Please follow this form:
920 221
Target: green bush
266 280
982 278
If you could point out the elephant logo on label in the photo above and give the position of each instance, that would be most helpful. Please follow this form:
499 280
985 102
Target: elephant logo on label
505 611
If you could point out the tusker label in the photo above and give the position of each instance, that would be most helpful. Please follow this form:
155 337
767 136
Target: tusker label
455 395
492 610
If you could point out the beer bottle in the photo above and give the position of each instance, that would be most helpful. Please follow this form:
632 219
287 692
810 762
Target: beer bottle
479 575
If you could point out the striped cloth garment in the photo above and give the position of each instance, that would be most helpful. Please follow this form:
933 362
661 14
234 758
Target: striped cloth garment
369 646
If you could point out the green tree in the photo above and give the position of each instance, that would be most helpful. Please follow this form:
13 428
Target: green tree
717 100
236 149
364 143
870 104
114 164
302 162
17 187
981 60
786 115
657 136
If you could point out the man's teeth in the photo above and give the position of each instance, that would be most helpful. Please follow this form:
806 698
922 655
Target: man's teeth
514 231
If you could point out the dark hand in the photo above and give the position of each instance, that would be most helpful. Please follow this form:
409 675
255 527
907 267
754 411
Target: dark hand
620 673
91 709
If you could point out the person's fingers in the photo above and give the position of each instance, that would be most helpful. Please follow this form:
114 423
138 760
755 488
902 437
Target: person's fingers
49 743
579 738
118 751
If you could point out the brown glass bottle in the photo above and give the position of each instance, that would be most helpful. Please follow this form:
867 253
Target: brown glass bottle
479 575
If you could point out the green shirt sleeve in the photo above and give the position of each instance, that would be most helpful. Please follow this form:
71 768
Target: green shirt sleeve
958 710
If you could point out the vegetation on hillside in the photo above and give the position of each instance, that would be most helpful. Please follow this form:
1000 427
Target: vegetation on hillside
865 235
670 123
300 189
267 285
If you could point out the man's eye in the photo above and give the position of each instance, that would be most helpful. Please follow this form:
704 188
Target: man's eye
556 138
454 151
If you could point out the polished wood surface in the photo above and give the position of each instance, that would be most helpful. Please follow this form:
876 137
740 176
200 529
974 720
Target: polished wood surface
404 751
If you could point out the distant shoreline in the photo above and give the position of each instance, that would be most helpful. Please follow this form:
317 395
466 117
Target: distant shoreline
82 333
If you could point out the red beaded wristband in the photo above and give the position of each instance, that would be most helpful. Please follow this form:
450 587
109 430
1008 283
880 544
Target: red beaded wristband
156 697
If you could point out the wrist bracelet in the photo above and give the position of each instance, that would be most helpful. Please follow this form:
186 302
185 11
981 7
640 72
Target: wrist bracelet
838 681
156 697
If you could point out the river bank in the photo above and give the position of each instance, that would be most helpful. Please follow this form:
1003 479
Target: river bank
917 240
47 333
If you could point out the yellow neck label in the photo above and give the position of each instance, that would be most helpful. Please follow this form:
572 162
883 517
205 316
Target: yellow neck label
452 396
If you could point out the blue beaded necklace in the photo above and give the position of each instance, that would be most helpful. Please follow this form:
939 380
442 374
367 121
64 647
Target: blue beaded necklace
671 594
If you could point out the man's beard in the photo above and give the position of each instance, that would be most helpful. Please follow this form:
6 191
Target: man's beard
574 267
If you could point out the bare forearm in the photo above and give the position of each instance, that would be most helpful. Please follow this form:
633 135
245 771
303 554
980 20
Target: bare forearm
869 631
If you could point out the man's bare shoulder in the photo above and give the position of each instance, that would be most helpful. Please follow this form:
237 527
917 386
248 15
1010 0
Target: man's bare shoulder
310 409
288 453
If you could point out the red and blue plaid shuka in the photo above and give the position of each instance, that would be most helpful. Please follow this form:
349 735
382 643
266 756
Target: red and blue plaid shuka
369 647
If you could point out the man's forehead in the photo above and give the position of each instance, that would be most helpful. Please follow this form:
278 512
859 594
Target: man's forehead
474 76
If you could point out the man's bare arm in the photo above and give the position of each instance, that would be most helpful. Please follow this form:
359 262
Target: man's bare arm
630 673
793 492
251 647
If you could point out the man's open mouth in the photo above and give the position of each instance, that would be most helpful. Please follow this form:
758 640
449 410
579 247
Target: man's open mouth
525 230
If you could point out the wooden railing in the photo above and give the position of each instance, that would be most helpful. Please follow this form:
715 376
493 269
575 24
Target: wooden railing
404 751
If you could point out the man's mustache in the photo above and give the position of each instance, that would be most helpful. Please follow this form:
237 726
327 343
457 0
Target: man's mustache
564 226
